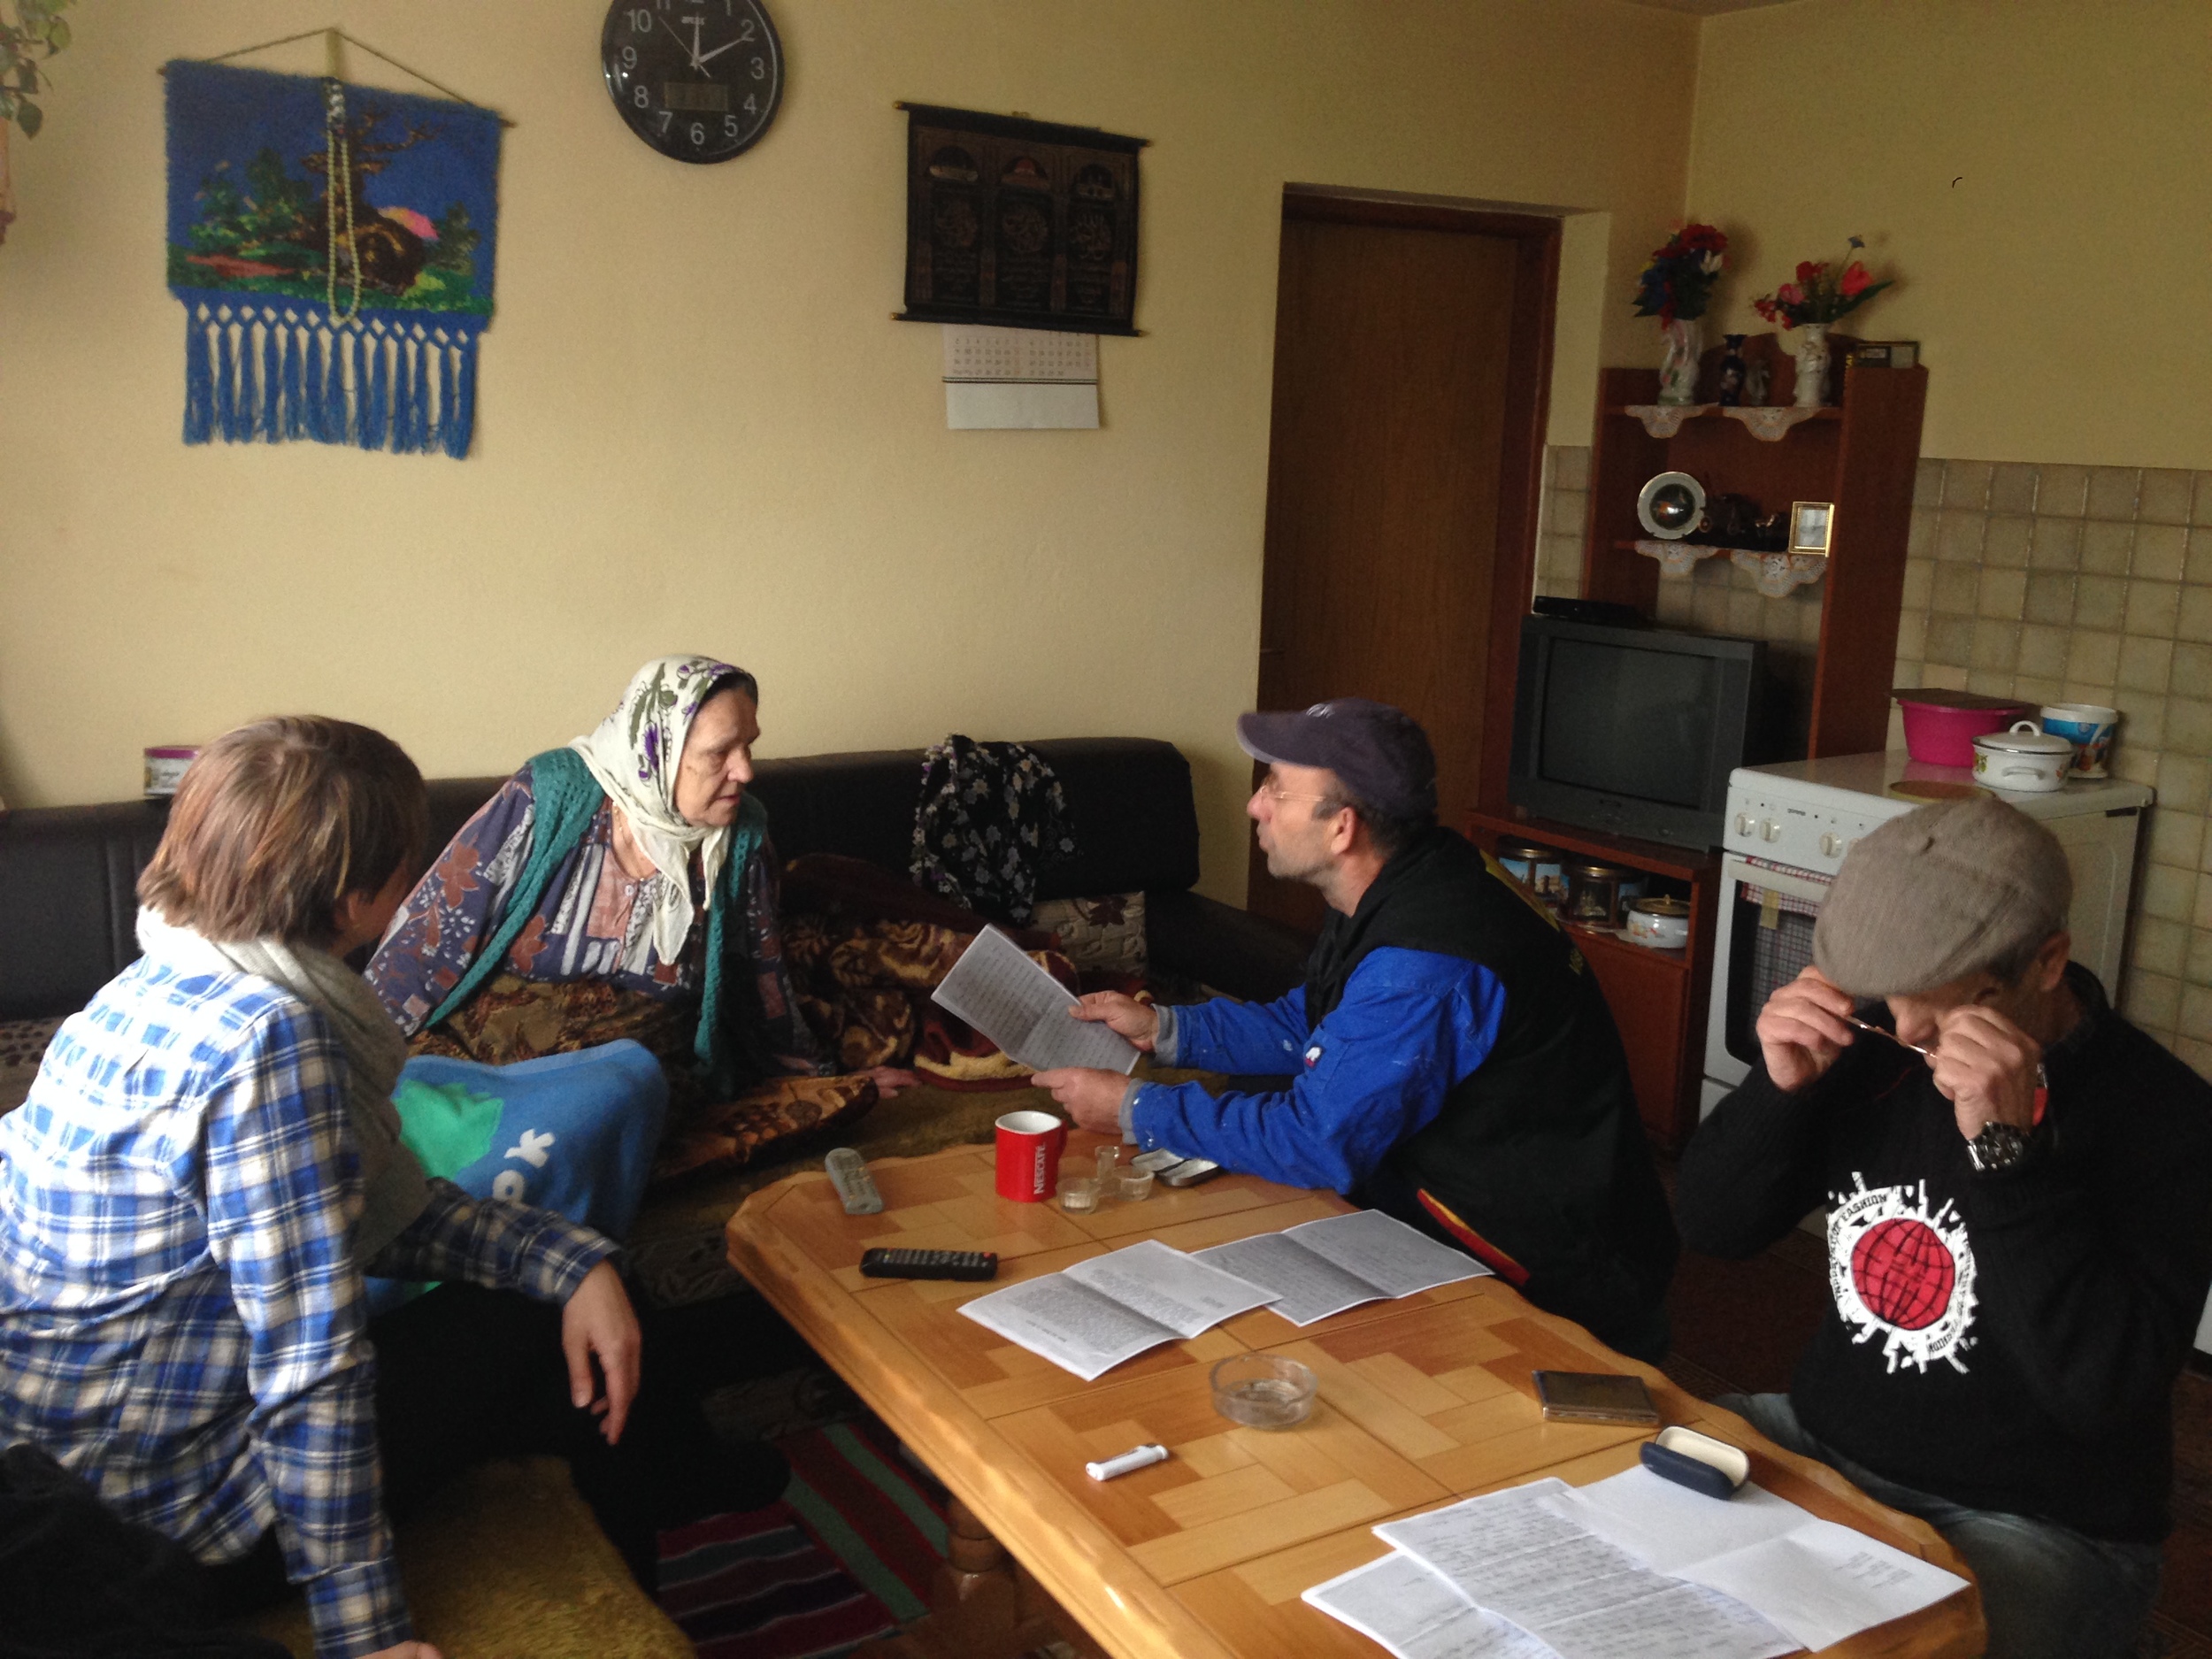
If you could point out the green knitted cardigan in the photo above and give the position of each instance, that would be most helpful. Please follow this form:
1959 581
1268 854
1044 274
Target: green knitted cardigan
566 798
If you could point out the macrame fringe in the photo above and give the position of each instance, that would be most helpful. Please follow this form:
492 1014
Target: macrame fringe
282 371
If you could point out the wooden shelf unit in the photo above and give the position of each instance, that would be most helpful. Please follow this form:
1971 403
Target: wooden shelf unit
1861 457
1658 997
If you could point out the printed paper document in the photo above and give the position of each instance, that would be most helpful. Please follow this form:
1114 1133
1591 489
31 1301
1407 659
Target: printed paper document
996 989
1100 1312
1409 1609
1818 1581
1323 1267
1517 1556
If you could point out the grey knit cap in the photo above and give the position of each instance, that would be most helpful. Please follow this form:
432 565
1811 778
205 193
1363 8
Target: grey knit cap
1945 891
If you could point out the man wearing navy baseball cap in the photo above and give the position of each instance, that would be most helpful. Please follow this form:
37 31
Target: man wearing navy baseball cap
1451 1060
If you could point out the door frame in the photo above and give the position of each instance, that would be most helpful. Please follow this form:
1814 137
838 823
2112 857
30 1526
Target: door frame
1527 414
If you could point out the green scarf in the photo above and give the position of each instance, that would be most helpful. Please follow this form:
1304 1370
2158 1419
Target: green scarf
565 799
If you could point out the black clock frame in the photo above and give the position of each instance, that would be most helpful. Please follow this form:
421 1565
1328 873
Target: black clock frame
664 56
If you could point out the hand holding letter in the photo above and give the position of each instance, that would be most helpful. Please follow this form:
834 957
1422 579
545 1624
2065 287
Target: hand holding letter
1123 1016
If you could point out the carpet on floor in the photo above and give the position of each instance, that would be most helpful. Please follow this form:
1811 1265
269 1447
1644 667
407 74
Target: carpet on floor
846 1557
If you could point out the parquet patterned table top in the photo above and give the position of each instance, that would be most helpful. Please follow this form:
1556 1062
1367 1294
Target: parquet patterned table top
1422 1401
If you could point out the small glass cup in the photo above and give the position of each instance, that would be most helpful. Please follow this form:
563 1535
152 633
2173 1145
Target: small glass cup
1109 1159
1132 1185
1077 1193
1262 1391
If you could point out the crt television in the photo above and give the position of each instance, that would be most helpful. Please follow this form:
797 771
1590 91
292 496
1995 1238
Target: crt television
1634 730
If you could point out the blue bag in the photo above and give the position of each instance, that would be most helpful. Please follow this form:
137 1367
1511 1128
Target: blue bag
571 1133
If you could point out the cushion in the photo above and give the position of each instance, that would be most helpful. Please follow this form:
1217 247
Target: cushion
733 1133
1100 935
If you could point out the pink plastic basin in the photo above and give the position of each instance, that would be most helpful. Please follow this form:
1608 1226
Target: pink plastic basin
1943 735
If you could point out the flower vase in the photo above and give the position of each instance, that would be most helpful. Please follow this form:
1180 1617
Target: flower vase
1812 364
1678 369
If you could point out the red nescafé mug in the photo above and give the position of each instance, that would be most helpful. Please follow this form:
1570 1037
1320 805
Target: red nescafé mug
1029 1147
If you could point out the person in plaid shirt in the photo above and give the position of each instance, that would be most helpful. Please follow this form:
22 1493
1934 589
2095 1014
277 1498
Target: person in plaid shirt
205 1166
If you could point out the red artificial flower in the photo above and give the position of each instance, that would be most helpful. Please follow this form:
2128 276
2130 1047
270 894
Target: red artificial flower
1854 278
1767 309
1789 292
1809 272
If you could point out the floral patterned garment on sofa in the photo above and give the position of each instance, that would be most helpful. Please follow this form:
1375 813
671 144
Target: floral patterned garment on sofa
590 925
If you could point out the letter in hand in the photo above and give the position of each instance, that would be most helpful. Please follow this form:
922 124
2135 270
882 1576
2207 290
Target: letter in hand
1090 1096
597 1323
1123 1016
1986 1067
1801 1029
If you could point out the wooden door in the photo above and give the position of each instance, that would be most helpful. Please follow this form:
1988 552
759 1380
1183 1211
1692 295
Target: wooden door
1402 469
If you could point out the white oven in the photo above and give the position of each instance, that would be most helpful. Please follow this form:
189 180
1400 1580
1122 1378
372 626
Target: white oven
1789 829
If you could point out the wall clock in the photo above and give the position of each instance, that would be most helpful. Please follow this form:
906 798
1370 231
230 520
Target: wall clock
697 79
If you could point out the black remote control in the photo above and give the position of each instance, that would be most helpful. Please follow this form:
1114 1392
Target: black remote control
881 1264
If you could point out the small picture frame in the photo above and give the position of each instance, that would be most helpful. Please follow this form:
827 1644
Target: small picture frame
1812 526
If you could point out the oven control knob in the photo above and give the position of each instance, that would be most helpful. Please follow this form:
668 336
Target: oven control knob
1745 825
1830 846
1770 830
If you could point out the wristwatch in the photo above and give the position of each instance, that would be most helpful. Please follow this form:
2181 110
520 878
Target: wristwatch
1999 1147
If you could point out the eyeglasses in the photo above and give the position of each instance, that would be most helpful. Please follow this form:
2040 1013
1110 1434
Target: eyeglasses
1278 794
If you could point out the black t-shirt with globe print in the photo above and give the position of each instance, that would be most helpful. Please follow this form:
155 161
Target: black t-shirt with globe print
2010 1341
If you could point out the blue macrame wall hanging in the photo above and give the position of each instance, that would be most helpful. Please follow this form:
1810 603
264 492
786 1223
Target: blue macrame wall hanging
333 245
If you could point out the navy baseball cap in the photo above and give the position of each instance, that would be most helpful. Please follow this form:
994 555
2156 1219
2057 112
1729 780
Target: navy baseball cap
1381 753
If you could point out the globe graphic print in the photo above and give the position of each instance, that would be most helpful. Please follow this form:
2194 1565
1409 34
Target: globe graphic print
1904 1273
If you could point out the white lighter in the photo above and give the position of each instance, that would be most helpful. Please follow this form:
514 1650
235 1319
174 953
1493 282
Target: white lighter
1136 1457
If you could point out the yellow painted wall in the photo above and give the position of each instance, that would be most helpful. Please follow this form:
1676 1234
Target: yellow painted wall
697 427
2034 171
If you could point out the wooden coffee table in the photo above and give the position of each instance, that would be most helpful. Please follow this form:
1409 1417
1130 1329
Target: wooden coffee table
1422 1401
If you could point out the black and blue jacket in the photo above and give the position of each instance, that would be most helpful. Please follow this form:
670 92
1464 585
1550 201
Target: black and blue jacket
1450 1060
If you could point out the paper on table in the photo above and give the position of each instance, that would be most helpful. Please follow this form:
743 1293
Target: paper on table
1417 1615
1076 1328
1516 1555
1824 1582
1306 1286
1819 1581
996 989
1386 1253
1170 1288
1323 1267
1093 1315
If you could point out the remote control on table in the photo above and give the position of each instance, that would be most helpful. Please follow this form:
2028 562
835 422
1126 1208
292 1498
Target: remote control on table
856 1187
882 1263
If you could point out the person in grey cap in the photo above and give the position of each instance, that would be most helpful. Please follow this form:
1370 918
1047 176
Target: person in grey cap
1450 1058
2019 1192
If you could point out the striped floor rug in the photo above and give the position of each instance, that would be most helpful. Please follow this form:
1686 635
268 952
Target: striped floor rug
846 1557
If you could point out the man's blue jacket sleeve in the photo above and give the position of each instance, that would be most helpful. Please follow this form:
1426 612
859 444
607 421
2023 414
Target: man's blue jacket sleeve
1412 1024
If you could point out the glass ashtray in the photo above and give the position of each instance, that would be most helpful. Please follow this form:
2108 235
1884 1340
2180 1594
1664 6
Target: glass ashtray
1077 1193
1262 1391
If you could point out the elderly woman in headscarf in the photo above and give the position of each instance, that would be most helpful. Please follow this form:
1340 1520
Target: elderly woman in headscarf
621 886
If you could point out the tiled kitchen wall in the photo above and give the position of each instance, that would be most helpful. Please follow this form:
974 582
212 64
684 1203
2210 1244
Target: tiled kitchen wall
2049 583
2086 584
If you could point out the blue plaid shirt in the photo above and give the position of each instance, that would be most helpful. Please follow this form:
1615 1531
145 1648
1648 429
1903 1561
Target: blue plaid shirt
181 1317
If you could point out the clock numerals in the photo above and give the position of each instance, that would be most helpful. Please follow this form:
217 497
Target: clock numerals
697 79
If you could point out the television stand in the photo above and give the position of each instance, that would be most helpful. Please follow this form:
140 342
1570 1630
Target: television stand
1658 997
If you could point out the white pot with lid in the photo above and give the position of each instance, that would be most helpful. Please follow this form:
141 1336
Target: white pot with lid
2025 760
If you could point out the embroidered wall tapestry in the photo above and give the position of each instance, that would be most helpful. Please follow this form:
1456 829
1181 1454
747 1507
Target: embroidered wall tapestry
333 245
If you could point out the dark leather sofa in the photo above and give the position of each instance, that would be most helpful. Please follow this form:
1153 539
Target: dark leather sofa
67 904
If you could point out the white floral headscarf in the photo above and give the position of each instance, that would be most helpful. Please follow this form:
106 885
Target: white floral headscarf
634 756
